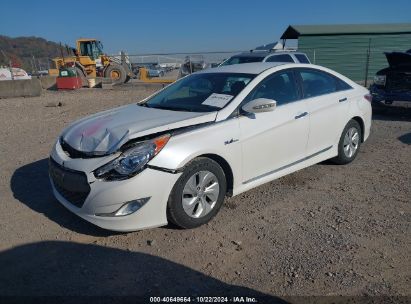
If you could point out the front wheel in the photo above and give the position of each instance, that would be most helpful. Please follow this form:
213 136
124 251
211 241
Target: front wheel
349 143
198 194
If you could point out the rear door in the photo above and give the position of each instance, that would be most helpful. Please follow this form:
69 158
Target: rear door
327 100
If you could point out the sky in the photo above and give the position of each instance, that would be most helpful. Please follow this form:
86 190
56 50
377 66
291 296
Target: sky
157 26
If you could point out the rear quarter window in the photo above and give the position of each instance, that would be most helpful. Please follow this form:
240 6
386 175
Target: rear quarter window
317 83
302 58
280 58
342 85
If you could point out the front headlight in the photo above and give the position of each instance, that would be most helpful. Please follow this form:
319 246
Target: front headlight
133 160
379 80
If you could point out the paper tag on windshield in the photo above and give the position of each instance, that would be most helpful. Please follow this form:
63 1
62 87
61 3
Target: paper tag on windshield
217 100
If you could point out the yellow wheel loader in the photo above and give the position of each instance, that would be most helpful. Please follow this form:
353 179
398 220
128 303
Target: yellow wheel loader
89 61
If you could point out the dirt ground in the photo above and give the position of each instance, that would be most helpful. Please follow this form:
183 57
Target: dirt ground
325 230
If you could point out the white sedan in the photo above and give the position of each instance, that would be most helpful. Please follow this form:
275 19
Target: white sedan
176 155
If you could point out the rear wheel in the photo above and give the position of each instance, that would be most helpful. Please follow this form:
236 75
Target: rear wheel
116 72
198 194
349 143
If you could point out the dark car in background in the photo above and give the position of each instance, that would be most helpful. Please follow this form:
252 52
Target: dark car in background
392 85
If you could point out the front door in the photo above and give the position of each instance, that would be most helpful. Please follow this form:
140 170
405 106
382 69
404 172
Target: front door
274 140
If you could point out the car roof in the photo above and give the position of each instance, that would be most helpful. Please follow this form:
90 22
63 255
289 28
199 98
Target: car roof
246 68
264 54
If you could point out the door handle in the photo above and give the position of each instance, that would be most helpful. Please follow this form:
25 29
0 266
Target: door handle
343 99
301 115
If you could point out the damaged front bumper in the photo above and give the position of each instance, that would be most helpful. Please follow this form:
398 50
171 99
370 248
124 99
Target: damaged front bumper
95 200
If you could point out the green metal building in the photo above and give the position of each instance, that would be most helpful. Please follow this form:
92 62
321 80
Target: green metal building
345 48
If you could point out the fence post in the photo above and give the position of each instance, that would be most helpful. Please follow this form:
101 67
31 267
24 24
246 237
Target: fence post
11 70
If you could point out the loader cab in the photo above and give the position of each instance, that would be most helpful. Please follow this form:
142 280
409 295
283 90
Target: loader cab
90 47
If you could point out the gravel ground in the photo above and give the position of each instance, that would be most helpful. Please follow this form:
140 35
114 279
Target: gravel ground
326 230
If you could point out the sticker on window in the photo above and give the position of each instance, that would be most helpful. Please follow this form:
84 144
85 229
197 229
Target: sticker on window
217 100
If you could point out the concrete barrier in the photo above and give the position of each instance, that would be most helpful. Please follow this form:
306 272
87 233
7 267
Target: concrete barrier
20 88
48 82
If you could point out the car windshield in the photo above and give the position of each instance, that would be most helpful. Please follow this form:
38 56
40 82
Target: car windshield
242 59
204 92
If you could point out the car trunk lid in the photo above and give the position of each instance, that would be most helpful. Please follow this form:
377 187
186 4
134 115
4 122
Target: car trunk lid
396 59
398 77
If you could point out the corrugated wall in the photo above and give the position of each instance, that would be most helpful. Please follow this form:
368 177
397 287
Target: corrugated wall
346 54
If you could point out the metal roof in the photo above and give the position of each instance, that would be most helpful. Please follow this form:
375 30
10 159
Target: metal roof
295 31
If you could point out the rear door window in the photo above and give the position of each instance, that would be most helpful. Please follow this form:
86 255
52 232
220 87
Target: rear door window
317 83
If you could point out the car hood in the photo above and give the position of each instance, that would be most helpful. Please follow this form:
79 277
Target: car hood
105 132
396 59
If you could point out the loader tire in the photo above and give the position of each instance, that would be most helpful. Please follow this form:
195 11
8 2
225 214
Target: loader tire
116 72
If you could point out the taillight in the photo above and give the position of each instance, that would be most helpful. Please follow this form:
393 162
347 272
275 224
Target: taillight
368 97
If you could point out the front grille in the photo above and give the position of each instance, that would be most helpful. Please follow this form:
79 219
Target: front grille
73 153
72 185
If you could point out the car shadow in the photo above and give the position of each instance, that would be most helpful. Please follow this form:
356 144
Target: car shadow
31 186
54 268
405 138
392 114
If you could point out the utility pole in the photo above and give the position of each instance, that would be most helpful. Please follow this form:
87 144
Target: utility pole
367 62
35 65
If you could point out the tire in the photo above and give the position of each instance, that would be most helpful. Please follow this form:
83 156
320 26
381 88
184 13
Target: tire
127 79
187 208
116 69
83 77
349 144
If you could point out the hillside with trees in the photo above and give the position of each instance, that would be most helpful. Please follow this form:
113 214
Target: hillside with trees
29 53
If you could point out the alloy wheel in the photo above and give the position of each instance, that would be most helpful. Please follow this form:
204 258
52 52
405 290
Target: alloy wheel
200 194
351 142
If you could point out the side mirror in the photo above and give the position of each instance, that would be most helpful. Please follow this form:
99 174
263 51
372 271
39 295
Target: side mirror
259 105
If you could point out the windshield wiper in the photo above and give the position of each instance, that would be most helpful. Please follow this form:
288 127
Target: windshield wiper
144 104
171 108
